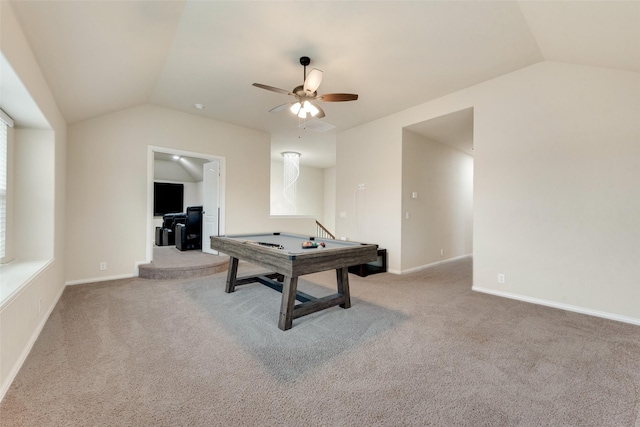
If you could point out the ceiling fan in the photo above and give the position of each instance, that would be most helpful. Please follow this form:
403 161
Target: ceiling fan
306 95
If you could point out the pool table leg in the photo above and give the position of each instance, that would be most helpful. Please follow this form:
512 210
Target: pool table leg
289 289
342 275
232 274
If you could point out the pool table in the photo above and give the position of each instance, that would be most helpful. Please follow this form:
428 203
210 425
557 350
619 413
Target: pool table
284 255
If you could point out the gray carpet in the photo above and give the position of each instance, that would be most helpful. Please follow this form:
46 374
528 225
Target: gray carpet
414 350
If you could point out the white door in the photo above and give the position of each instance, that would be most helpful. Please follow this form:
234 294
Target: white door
210 204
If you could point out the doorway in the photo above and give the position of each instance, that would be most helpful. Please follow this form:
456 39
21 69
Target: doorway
437 182
208 192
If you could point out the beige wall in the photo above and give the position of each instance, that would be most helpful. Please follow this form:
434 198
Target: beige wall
23 316
440 220
107 183
556 172
371 155
557 166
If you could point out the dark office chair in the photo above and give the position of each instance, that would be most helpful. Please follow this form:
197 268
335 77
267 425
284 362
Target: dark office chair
165 235
189 234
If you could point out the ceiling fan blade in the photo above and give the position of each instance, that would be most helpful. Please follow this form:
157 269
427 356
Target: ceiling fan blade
338 97
280 107
272 89
313 80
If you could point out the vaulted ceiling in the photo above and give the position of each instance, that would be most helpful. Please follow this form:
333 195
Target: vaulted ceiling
103 56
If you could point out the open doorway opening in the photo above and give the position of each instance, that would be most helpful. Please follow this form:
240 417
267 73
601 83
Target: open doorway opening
437 182
202 178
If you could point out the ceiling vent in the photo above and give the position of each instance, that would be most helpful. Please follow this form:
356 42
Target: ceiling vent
316 126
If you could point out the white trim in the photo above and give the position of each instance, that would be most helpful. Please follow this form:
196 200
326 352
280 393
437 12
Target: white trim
136 267
433 264
99 279
6 118
567 307
27 349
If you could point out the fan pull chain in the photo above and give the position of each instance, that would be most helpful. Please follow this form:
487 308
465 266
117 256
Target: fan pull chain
300 127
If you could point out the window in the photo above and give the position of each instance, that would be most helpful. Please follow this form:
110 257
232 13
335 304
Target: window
5 121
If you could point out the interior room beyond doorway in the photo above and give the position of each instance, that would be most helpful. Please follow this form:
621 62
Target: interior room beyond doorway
188 170
437 190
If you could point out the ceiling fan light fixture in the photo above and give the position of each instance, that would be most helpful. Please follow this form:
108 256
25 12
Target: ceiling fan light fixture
312 81
295 108
311 109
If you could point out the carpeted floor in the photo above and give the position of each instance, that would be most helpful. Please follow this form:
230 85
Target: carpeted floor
414 350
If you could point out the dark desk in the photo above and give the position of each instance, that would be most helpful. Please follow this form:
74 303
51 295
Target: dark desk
290 262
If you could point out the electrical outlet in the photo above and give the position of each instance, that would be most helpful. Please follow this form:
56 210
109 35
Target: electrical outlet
362 187
406 215
343 214
501 278
103 265
441 252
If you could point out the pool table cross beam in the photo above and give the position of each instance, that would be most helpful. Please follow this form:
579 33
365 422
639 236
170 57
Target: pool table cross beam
273 281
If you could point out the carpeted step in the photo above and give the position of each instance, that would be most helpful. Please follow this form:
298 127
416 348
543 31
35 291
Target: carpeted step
155 272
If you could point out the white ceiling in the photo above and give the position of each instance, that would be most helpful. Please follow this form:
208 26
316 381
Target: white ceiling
103 56
454 129
183 168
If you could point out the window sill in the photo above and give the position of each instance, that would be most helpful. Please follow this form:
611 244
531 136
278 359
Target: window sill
292 216
16 275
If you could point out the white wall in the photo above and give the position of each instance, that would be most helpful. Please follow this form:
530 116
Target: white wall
10 199
23 316
329 216
170 171
309 194
556 199
441 217
34 190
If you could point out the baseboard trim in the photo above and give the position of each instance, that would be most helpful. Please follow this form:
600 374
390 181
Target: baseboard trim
433 264
4 388
98 279
553 304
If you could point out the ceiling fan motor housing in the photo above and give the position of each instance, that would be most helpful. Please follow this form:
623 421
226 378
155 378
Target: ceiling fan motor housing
301 93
